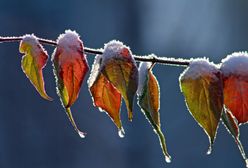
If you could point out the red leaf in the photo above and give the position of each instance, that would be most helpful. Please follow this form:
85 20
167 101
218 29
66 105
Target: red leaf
70 67
235 79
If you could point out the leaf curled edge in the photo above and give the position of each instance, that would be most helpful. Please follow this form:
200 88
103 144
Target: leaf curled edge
149 102
70 68
201 84
33 62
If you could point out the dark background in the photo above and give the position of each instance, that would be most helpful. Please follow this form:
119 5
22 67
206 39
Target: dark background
35 133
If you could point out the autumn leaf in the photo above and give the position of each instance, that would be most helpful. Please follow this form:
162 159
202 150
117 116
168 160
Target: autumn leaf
70 67
119 67
33 62
149 101
201 85
235 80
105 95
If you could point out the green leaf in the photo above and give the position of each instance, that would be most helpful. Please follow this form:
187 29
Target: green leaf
119 67
33 62
149 102
201 85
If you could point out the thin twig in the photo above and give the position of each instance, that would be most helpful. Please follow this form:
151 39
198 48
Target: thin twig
152 58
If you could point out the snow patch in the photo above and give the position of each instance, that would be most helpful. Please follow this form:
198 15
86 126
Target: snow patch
143 72
198 68
70 39
114 49
32 40
236 63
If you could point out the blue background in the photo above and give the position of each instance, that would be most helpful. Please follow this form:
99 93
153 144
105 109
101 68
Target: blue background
35 133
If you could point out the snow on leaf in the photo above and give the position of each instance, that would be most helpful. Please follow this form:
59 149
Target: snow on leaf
149 102
33 62
120 69
105 95
235 79
201 85
70 68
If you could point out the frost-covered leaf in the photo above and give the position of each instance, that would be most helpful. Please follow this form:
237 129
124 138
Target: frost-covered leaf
201 85
119 67
33 62
149 101
70 67
232 127
235 80
105 95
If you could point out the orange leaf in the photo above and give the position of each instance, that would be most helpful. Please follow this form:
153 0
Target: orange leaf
33 62
235 79
70 67
105 95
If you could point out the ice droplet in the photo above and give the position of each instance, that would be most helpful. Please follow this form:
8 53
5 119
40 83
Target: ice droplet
168 159
246 161
81 134
121 133
209 150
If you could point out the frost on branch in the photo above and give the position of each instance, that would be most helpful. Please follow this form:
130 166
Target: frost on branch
70 68
33 62
201 85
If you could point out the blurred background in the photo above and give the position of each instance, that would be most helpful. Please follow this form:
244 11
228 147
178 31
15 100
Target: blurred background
35 133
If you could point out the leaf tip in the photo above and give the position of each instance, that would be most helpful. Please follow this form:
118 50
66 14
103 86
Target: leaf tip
168 159
81 134
246 161
121 132
47 97
130 116
210 149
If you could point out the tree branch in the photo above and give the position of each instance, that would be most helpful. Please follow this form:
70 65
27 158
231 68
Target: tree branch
150 58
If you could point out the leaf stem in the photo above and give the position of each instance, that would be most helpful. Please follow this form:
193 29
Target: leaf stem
151 58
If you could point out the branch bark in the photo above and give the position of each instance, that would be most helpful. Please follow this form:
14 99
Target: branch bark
150 58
